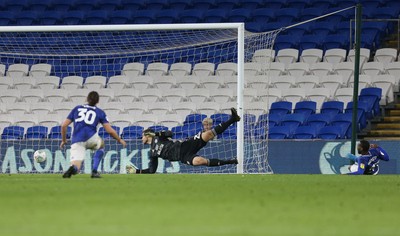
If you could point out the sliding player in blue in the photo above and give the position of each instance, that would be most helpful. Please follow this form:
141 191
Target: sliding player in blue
86 118
185 151
367 163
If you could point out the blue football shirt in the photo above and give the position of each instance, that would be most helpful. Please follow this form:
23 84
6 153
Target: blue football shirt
86 118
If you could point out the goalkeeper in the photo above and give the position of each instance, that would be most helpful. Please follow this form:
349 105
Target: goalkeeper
162 146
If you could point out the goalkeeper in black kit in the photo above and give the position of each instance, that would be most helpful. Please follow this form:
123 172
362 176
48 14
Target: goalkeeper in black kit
185 151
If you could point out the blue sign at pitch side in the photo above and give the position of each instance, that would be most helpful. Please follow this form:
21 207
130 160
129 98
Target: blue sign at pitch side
285 157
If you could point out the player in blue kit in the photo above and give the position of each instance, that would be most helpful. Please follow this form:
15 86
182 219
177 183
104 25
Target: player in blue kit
367 163
86 118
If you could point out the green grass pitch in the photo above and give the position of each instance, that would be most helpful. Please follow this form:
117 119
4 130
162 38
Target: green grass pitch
200 205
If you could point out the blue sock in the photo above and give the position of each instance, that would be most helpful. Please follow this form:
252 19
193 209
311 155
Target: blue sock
75 170
97 158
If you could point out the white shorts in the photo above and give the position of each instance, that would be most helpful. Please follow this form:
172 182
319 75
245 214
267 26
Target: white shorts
78 150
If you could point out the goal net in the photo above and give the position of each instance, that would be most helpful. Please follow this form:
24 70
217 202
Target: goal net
159 76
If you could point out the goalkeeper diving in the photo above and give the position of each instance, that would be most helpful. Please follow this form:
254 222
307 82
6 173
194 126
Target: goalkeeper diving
367 163
185 151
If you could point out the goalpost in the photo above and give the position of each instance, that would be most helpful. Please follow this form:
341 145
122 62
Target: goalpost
102 50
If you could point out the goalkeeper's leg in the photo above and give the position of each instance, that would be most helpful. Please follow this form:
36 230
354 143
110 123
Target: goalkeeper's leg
219 129
201 161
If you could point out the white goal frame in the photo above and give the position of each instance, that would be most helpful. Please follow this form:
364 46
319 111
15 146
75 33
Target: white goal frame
202 26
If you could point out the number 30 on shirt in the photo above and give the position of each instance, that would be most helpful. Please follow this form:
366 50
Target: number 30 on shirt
88 116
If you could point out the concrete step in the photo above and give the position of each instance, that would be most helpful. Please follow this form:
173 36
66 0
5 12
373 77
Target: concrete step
394 113
386 126
391 119
384 133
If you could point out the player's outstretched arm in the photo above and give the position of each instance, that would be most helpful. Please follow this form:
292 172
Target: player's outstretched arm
64 128
114 134
152 167
383 155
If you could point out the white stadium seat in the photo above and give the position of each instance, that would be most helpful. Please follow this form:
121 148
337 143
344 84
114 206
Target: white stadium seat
283 82
287 56
203 69
78 96
121 120
321 69
184 108
149 95
252 69
95 82
256 108
344 95
157 68
307 81
48 82
188 82
24 83
180 69
170 120
271 95
255 82
18 109
133 69
18 70
42 107
364 81
56 95
72 82
198 95
50 120
394 70
364 55
164 82
6 83
6 120
263 56
387 84
335 55
226 69
293 95
146 120
276 69
32 95
174 96
249 95
319 95
332 82
64 108
298 69
345 69
136 108
26 121
118 82
221 95
10 96
142 82
231 81
211 82
106 95
126 95
311 56
40 70
208 108
113 108
2 70
160 108
385 55
373 68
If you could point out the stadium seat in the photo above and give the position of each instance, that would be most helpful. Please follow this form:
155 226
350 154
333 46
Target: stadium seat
180 69
281 108
332 108
330 132
12 132
344 121
208 108
305 107
159 108
283 82
18 109
73 17
95 82
191 16
133 69
78 95
184 108
157 69
6 83
362 111
42 108
36 132
252 69
48 82
198 95
56 95
203 69
118 82
7 18
226 69
364 55
72 82
120 17
55 132
363 81
286 41
305 132
167 16
311 56
321 69
132 132
333 41
224 95
109 5
240 15
387 83
332 82
293 94
279 132
133 5
293 121
307 81
215 15
26 17
287 56
276 69
310 42
345 69
263 55
335 56
143 17
287 15
10 96
32 95
373 68
372 96
298 69
179 4
23 83
17 70
156 5
194 118
393 69
344 94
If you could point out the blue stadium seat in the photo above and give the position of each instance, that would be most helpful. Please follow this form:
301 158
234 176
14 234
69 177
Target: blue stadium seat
50 18
203 4
16 5
385 13
299 4
26 18
336 41
55 132
194 118
179 4
279 132
371 96
274 4
305 107
330 132
39 6
36 132
180 132
281 108
133 5
249 119
305 132
323 4
158 128
143 17
73 17
260 131
319 120
287 15
230 133
104 135
61 6
191 16
156 4
252 4
293 121
392 4
362 112
372 3
7 18
12 132
240 15
109 5
132 132
215 16
310 41
263 15
84 5
227 4
346 3
324 28
219 118
96 17
194 128
166 16
253 27
120 17
344 121
332 108
286 41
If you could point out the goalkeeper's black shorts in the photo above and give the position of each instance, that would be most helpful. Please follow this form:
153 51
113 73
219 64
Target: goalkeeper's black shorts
190 147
